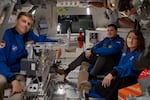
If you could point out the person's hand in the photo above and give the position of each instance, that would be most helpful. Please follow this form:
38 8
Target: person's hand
16 87
57 53
88 53
29 42
107 80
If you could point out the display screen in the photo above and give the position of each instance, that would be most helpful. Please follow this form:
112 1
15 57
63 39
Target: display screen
75 22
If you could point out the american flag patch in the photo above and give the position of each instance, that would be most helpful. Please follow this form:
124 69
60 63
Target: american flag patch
2 44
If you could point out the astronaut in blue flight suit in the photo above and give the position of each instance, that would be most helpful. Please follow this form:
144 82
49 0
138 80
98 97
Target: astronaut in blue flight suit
125 73
12 50
103 56
31 36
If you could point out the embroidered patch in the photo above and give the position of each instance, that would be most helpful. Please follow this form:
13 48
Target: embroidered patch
14 48
104 45
118 42
124 54
110 46
2 44
132 57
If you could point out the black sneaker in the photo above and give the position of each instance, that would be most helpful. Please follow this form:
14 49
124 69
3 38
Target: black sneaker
61 71
58 63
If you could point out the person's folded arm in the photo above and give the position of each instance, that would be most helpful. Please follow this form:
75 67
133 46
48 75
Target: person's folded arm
5 71
125 69
43 38
112 49
31 36
96 46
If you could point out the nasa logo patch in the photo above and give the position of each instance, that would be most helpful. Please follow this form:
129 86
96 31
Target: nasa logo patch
14 47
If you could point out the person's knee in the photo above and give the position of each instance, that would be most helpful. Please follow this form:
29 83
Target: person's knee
3 82
101 58
21 78
18 96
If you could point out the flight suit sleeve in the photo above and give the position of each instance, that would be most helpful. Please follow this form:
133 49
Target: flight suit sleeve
98 45
4 50
127 69
113 48
4 69
43 38
31 36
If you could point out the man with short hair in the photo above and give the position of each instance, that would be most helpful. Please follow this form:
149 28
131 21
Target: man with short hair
103 56
12 50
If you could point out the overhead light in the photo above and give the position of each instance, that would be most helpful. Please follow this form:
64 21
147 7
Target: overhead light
33 12
88 12
58 27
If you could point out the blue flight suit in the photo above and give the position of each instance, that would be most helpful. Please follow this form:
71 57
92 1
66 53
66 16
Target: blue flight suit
30 36
108 49
126 66
109 52
126 74
13 50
